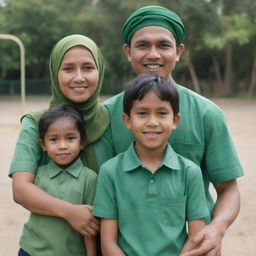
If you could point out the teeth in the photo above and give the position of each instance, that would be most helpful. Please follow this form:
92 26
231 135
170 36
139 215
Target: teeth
79 88
153 66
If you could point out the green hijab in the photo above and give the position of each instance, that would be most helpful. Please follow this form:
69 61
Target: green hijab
153 16
95 115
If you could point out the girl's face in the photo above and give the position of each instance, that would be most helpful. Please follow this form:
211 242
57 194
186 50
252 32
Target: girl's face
78 75
62 141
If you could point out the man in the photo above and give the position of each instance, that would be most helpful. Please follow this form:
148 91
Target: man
153 38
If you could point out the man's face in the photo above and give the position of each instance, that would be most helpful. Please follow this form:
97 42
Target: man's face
153 51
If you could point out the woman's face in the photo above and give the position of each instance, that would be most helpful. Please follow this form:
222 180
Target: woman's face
78 75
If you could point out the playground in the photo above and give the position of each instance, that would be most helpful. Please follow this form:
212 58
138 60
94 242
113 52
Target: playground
241 117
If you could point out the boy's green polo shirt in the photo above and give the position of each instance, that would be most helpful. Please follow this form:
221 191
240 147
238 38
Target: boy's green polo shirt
151 209
45 235
28 155
201 136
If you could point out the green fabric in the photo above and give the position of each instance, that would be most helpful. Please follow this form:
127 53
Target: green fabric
154 16
46 235
95 115
201 136
151 209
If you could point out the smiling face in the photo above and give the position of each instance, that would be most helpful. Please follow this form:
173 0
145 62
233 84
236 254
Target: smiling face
62 141
153 51
78 75
151 121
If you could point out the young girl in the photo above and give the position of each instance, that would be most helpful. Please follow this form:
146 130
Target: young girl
62 136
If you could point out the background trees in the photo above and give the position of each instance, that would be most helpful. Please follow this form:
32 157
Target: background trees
220 56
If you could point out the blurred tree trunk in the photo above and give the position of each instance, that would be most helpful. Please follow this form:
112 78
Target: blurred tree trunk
228 75
253 77
192 71
218 75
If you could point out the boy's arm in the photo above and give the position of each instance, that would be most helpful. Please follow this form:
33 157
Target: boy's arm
193 227
90 245
109 238
36 200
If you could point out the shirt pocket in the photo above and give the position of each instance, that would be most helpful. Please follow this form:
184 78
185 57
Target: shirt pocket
173 210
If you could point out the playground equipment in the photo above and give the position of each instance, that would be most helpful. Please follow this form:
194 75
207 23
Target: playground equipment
22 66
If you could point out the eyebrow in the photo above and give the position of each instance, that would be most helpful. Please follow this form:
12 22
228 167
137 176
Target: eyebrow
84 63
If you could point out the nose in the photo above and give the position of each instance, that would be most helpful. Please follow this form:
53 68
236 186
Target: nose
152 121
153 53
62 144
79 77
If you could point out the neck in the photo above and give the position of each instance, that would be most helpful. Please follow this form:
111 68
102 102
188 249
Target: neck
150 158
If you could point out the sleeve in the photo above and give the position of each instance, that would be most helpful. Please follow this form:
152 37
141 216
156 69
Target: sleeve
196 207
220 159
27 154
90 188
105 201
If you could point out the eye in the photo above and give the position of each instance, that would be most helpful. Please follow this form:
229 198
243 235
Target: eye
53 140
70 138
67 69
141 44
165 45
141 113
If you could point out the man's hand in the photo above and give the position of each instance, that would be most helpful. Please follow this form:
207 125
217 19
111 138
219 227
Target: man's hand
81 219
207 242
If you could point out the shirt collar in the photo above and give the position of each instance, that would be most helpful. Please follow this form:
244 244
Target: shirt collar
74 169
131 160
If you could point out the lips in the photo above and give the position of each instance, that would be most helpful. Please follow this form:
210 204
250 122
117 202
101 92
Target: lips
152 134
79 89
62 154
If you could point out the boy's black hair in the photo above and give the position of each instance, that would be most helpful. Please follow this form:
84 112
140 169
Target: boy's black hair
59 111
142 84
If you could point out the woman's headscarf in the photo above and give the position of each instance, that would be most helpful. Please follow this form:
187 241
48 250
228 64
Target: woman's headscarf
153 16
95 115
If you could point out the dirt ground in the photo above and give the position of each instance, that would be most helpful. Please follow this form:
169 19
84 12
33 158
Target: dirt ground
241 117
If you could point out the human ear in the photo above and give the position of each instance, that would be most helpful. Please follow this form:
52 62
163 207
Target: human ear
176 120
180 49
41 143
126 120
126 50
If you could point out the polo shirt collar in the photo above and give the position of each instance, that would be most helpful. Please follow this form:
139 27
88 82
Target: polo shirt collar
131 160
54 169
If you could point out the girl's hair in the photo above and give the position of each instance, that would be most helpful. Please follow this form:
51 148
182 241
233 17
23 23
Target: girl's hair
59 111
142 84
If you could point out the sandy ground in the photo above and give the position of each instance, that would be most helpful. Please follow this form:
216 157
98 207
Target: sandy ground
241 117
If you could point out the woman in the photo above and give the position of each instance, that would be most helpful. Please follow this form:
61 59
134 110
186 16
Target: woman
76 70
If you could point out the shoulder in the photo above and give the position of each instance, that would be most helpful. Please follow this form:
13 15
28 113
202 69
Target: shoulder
89 172
115 100
189 167
192 99
112 165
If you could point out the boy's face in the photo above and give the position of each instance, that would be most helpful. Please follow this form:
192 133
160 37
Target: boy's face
62 141
151 121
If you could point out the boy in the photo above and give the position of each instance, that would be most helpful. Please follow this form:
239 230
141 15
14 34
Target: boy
62 136
145 195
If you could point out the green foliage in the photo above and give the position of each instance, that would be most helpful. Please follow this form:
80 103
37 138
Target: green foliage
210 26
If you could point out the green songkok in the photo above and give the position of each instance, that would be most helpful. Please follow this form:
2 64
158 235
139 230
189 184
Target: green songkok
95 115
153 16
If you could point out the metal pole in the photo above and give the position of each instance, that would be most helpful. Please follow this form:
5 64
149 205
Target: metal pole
22 66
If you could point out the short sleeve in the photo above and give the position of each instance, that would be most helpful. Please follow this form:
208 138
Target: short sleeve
220 159
28 154
105 201
196 207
